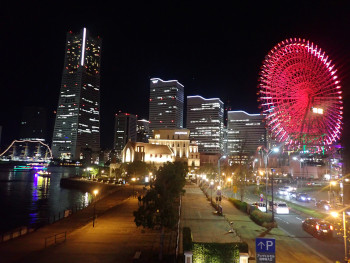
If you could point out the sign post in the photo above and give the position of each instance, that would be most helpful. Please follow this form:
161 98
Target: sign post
265 250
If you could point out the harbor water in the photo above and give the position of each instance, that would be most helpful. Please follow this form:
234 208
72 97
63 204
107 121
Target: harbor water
29 199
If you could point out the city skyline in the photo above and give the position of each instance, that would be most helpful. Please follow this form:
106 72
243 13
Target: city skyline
210 51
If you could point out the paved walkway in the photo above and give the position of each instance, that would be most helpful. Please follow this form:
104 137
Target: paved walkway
115 237
288 249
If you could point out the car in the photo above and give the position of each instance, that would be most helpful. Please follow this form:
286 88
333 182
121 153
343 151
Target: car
319 228
303 197
283 190
292 194
271 205
281 208
323 204
260 205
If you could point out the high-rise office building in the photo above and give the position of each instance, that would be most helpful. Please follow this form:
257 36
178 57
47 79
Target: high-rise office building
77 124
165 104
142 130
205 120
33 124
245 133
124 130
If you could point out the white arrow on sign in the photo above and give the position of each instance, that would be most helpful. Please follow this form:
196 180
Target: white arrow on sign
261 244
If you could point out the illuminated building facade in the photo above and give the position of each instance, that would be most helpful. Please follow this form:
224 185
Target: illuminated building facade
205 120
124 130
142 129
165 104
77 124
146 152
178 140
245 133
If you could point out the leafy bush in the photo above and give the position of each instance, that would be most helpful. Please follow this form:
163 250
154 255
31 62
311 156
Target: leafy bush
187 239
240 205
215 252
262 219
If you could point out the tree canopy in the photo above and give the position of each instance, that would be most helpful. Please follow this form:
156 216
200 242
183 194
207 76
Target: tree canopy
158 204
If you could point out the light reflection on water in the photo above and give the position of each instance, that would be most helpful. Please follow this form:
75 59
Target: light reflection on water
28 199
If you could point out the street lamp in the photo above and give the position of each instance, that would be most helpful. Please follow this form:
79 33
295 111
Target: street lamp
267 154
222 157
330 190
335 214
133 185
211 191
94 216
230 181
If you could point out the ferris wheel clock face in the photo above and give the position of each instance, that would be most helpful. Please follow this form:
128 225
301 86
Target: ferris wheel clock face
300 93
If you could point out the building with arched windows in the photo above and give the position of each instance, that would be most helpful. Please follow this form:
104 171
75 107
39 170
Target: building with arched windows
167 145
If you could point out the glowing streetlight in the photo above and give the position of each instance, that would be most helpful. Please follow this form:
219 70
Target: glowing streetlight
219 166
95 192
230 181
336 215
211 191
331 183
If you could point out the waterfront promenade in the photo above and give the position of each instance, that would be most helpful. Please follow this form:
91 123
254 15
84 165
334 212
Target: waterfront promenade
115 237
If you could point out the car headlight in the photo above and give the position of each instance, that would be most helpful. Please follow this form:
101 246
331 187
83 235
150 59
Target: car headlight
303 198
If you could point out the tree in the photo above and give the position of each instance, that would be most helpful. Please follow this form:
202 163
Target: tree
137 168
209 169
158 207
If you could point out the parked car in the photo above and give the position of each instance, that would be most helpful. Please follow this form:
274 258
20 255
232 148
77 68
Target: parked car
319 228
303 197
281 208
323 204
260 205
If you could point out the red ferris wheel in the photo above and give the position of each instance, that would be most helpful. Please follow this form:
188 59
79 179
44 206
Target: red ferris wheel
300 94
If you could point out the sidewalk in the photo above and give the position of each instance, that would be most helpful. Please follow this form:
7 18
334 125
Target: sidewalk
115 237
288 249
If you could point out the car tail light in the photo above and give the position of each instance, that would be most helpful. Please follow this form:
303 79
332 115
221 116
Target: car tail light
331 227
317 227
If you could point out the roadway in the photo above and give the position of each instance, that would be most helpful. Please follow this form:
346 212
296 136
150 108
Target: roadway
333 249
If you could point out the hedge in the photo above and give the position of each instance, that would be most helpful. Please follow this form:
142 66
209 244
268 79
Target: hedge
240 205
218 252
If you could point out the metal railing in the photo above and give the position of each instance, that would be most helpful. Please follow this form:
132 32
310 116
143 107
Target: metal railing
52 240
15 233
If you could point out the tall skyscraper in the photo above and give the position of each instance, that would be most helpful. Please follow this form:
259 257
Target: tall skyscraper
33 124
205 120
142 130
245 133
77 124
165 104
124 130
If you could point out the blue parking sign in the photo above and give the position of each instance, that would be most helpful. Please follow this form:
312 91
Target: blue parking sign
265 250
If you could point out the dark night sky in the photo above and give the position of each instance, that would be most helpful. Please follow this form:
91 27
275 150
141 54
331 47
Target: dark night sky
213 50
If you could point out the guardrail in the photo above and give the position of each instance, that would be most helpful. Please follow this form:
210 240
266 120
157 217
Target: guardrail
52 240
15 233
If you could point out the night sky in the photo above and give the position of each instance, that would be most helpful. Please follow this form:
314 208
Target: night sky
214 50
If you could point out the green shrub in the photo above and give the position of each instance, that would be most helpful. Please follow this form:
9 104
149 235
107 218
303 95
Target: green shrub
238 204
187 239
262 219
218 252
